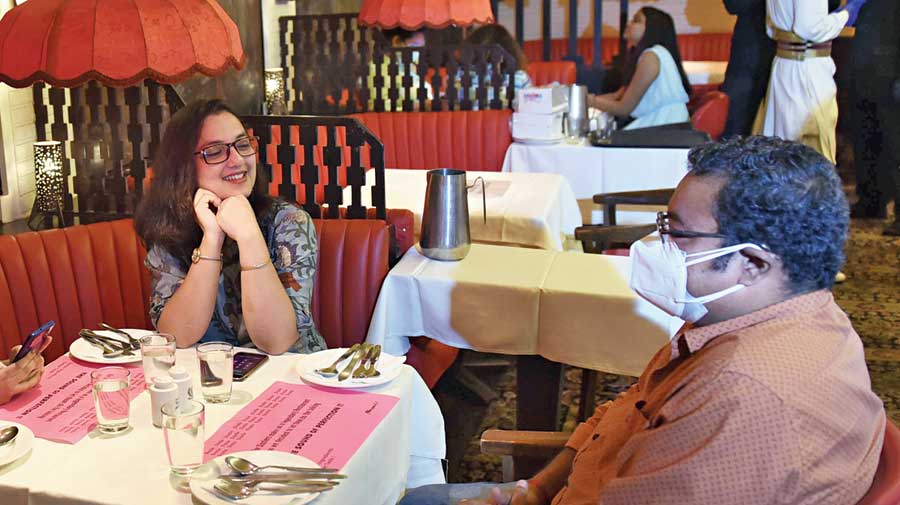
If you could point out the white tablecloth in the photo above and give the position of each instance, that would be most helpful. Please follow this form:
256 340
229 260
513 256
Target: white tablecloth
404 451
705 72
591 170
531 210
573 308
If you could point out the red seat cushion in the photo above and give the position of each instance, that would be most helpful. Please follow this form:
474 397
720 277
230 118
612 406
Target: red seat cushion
711 113
465 140
692 46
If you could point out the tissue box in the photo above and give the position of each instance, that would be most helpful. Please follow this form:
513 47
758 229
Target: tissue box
537 126
543 100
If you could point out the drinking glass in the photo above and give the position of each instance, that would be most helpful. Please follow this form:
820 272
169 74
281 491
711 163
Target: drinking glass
216 368
157 355
109 387
183 422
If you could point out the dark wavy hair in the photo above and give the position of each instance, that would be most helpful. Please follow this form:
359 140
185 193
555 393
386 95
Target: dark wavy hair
659 30
497 34
165 216
783 195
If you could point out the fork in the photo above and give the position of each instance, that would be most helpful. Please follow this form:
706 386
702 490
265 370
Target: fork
111 343
360 354
135 343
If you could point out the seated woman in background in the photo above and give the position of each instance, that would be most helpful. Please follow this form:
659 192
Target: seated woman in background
656 90
497 34
399 38
228 262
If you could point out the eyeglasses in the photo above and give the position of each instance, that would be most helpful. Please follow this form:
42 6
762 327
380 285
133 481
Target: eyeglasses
219 153
664 228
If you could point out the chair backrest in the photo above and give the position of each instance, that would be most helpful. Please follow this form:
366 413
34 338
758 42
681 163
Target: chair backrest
546 72
711 113
885 489
465 140
82 275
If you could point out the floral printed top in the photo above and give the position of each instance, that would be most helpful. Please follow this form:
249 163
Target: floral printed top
291 237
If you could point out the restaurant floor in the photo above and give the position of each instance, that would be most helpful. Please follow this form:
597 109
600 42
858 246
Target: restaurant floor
870 296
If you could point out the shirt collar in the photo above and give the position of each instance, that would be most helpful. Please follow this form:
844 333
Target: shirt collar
696 338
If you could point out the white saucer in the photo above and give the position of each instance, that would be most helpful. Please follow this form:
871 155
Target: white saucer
388 364
538 142
18 447
84 351
206 476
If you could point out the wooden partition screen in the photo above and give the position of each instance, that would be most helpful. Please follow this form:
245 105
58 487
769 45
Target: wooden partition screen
334 66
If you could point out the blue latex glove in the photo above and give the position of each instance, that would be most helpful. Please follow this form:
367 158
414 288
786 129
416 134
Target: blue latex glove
852 7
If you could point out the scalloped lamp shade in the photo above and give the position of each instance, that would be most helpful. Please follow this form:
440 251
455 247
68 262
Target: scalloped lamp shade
117 42
416 14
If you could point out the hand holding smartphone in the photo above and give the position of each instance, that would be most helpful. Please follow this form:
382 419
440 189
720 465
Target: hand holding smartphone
35 341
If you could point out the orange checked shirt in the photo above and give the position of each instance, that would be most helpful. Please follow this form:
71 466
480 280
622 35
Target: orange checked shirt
773 407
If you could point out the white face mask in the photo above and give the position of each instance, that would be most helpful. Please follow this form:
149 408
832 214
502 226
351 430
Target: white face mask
659 275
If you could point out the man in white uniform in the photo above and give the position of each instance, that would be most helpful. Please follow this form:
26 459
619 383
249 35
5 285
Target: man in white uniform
801 102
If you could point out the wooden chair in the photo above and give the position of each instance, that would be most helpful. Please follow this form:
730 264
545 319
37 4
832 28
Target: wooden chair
515 445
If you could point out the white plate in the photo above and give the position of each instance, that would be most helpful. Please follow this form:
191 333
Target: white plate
539 142
18 447
206 476
387 364
84 351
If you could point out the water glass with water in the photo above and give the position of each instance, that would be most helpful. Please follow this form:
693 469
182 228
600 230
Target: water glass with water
109 386
216 368
182 423
157 355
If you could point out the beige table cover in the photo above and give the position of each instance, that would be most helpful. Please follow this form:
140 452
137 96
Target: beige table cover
530 210
570 307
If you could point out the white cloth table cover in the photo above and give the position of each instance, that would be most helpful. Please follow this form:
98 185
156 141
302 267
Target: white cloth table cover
569 307
531 210
591 170
404 450
705 72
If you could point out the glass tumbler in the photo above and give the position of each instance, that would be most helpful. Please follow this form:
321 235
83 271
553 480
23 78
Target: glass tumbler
182 423
216 369
109 387
157 355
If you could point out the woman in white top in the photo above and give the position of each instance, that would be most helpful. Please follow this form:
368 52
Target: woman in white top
656 90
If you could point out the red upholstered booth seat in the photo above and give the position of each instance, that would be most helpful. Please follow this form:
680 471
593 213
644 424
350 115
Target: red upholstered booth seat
546 72
83 275
466 140
711 113
692 46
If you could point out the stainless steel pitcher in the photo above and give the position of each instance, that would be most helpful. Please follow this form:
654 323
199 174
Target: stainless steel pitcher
445 218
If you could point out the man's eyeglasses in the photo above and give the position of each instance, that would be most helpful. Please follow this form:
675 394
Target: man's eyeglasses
664 228
219 153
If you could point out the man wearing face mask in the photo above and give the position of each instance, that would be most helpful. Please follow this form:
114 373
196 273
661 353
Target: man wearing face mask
766 399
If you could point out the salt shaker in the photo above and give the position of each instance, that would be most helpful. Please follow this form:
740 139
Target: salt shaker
162 391
182 379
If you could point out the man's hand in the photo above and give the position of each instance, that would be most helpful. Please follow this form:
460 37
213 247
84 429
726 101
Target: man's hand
21 375
520 494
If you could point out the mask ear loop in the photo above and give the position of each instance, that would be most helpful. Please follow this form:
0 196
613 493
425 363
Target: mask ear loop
716 253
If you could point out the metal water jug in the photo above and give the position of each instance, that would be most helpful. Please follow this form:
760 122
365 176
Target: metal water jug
576 123
445 219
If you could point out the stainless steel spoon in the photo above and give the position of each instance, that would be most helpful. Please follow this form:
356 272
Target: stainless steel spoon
8 434
238 490
331 371
247 467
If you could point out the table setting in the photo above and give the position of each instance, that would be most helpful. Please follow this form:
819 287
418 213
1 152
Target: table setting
273 437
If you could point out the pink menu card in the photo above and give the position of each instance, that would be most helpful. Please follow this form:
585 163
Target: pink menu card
60 408
326 426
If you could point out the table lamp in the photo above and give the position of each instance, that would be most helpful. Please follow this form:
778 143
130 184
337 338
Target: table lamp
48 178
274 78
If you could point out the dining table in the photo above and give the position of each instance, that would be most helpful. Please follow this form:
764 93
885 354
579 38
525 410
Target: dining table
705 72
521 209
591 170
403 450
562 307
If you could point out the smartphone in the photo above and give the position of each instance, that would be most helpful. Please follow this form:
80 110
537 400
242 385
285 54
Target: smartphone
35 341
245 363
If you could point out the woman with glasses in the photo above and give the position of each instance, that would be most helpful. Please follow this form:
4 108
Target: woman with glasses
228 262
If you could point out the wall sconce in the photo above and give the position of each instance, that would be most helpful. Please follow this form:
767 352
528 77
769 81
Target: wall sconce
275 95
48 178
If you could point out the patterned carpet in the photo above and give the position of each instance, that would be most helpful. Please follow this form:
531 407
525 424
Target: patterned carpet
871 296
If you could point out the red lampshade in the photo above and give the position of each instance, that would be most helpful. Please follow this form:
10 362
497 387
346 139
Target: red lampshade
416 14
116 42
